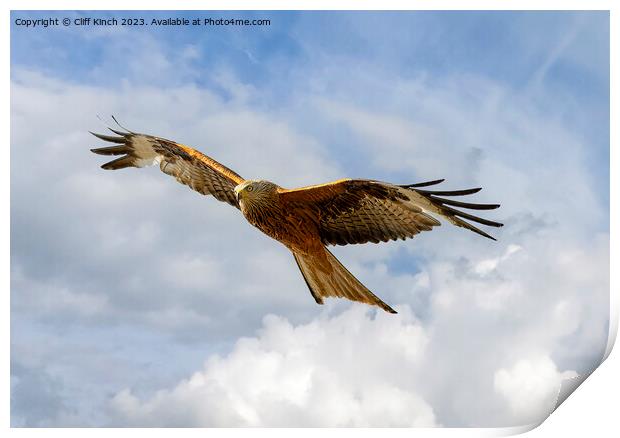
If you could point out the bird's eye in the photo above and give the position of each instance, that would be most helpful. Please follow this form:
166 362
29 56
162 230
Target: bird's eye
250 188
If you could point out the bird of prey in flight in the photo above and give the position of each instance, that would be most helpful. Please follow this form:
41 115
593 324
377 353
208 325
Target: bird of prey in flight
307 219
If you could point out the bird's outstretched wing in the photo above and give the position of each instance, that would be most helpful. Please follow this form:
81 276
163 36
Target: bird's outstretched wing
353 211
187 165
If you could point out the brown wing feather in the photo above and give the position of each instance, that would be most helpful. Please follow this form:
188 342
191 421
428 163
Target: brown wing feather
187 165
360 211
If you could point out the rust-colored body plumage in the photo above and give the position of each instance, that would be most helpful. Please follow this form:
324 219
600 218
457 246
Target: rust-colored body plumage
307 219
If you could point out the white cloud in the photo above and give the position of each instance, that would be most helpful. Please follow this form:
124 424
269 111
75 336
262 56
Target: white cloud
531 388
46 298
348 370
487 266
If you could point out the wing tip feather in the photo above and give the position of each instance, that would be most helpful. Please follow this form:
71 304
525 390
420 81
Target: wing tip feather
119 163
423 184
109 138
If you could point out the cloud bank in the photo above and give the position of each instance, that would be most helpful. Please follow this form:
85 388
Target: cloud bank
340 371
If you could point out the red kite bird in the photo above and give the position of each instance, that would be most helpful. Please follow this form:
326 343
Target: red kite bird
306 219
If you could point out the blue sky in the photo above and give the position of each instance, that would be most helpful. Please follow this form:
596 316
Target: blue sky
108 284
516 49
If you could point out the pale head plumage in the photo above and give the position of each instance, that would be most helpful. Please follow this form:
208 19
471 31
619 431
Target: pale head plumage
252 191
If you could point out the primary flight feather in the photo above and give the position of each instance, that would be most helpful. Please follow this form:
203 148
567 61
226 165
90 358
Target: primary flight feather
307 219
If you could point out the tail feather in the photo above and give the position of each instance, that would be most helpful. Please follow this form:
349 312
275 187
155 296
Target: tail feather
332 279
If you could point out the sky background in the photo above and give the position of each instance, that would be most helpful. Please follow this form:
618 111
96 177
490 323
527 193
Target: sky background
137 302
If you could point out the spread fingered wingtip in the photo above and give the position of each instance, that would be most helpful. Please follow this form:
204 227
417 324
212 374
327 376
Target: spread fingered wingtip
454 215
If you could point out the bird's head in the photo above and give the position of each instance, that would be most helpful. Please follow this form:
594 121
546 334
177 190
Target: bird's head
254 190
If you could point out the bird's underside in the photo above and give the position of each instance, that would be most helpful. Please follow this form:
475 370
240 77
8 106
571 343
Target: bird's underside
307 219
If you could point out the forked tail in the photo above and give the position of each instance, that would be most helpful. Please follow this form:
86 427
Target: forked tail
327 277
